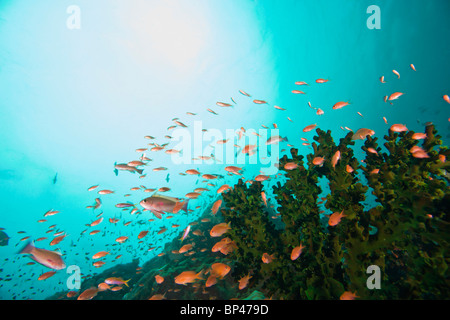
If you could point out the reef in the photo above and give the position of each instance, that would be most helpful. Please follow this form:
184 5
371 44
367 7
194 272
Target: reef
404 232
410 220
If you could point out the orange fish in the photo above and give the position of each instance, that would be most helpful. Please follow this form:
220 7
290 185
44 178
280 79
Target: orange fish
263 196
142 234
266 258
88 294
188 277
261 177
103 286
220 270
347 295
322 80
309 128
382 79
362 134
223 188
121 239
318 161
159 279
398 128
100 254
412 67
335 218
395 95
340 105
301 83
185 248
244 93
396 73
446 98
319 112
298 92
349 169
419 136
212 280
243 282
219 229
296 252
216 206
290 166
335 158
46 275
259 101
385 120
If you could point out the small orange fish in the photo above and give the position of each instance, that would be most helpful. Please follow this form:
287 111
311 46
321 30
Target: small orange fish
322 80
446 98
216 206
243 282
259 101
396 73
382 79
188 277
309 128
46 275
100 254
340 105
347 295
88 294
395 95
385 120
266 258
335 218
335 158
298 92
398 128
318 161
290 166
296 252
412 67
263 196
212 280
223 188
419 136
220 270
220 229
349 169
121 239
159 279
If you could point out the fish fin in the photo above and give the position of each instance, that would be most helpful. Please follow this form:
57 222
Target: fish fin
116 172
27 248
140 171
157 214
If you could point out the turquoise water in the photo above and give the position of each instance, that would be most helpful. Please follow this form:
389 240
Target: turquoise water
75 101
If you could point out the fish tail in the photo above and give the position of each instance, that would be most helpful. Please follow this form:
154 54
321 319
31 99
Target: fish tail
140 171
199 275
185 206
126 282
28 248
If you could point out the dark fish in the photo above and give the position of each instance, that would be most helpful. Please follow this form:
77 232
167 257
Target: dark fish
55 178
4 239
167 178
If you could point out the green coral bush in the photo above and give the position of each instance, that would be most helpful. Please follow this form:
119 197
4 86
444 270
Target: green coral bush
411 220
